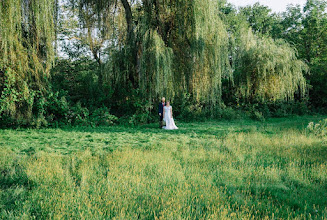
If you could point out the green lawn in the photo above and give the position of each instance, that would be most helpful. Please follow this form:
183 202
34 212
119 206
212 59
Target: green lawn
206 170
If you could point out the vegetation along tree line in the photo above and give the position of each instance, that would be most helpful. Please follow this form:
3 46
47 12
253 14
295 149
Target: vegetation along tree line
98 62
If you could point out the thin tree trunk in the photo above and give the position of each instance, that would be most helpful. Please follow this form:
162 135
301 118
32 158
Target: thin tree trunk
133 46
129 19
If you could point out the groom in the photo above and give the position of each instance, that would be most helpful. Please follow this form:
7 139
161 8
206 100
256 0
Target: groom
160 111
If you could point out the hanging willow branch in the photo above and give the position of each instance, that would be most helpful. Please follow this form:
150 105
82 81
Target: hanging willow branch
26 41
156 76
210 53
268 70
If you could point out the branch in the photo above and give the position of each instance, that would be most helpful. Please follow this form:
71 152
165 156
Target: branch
129 18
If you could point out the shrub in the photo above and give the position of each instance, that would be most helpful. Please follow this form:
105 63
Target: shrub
78 115
101 116
137 119
144 111
258 116
229 113
318 129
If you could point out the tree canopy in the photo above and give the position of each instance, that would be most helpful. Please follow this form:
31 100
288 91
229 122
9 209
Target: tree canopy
202 54
27 34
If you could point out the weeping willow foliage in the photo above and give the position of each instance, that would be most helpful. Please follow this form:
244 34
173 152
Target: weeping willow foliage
210 53
191 59
199 43
183 47
26 45
267 70
156 75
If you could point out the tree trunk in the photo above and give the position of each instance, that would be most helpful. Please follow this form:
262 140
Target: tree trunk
133 46
129 19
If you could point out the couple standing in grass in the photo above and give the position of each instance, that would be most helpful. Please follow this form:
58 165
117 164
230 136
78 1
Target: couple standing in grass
165 111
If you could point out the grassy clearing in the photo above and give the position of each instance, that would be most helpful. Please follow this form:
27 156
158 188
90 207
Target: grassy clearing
225 170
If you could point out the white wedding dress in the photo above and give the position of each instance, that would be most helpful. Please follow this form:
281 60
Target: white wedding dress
170 123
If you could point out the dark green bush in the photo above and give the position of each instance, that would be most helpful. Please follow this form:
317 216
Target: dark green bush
229 113
102 117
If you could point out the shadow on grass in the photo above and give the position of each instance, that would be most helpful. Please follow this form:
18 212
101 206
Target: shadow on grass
15 187
289 194
296 196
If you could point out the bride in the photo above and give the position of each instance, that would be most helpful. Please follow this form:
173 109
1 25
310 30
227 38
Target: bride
168 117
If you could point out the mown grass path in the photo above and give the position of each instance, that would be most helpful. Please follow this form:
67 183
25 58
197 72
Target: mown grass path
217 169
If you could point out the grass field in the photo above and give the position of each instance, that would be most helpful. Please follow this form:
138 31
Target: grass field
209 170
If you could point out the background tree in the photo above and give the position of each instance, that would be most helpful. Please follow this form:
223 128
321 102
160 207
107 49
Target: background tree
307 30
259 17
27 34
314 38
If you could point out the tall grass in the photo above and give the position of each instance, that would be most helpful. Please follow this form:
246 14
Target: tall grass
210 170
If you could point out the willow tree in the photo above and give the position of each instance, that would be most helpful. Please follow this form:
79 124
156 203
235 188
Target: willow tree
156 73
267 69
26 43
173 47
170 47
96 28
111 24
201 51
210 53
183 49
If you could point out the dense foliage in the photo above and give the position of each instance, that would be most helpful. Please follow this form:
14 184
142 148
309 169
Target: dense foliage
118 57
305 29
26 44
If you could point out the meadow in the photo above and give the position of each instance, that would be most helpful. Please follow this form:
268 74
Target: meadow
238 169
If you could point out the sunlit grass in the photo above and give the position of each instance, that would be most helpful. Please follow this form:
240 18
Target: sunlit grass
209 170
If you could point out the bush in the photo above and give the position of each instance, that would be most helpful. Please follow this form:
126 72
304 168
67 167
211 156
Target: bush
53 107
78 115
138 119
229 113
255 112
318 129
144 111
101 116
258 116
284 109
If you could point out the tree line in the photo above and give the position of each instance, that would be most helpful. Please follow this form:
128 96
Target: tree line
96 62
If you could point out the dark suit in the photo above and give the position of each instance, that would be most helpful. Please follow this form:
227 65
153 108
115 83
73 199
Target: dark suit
160 111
